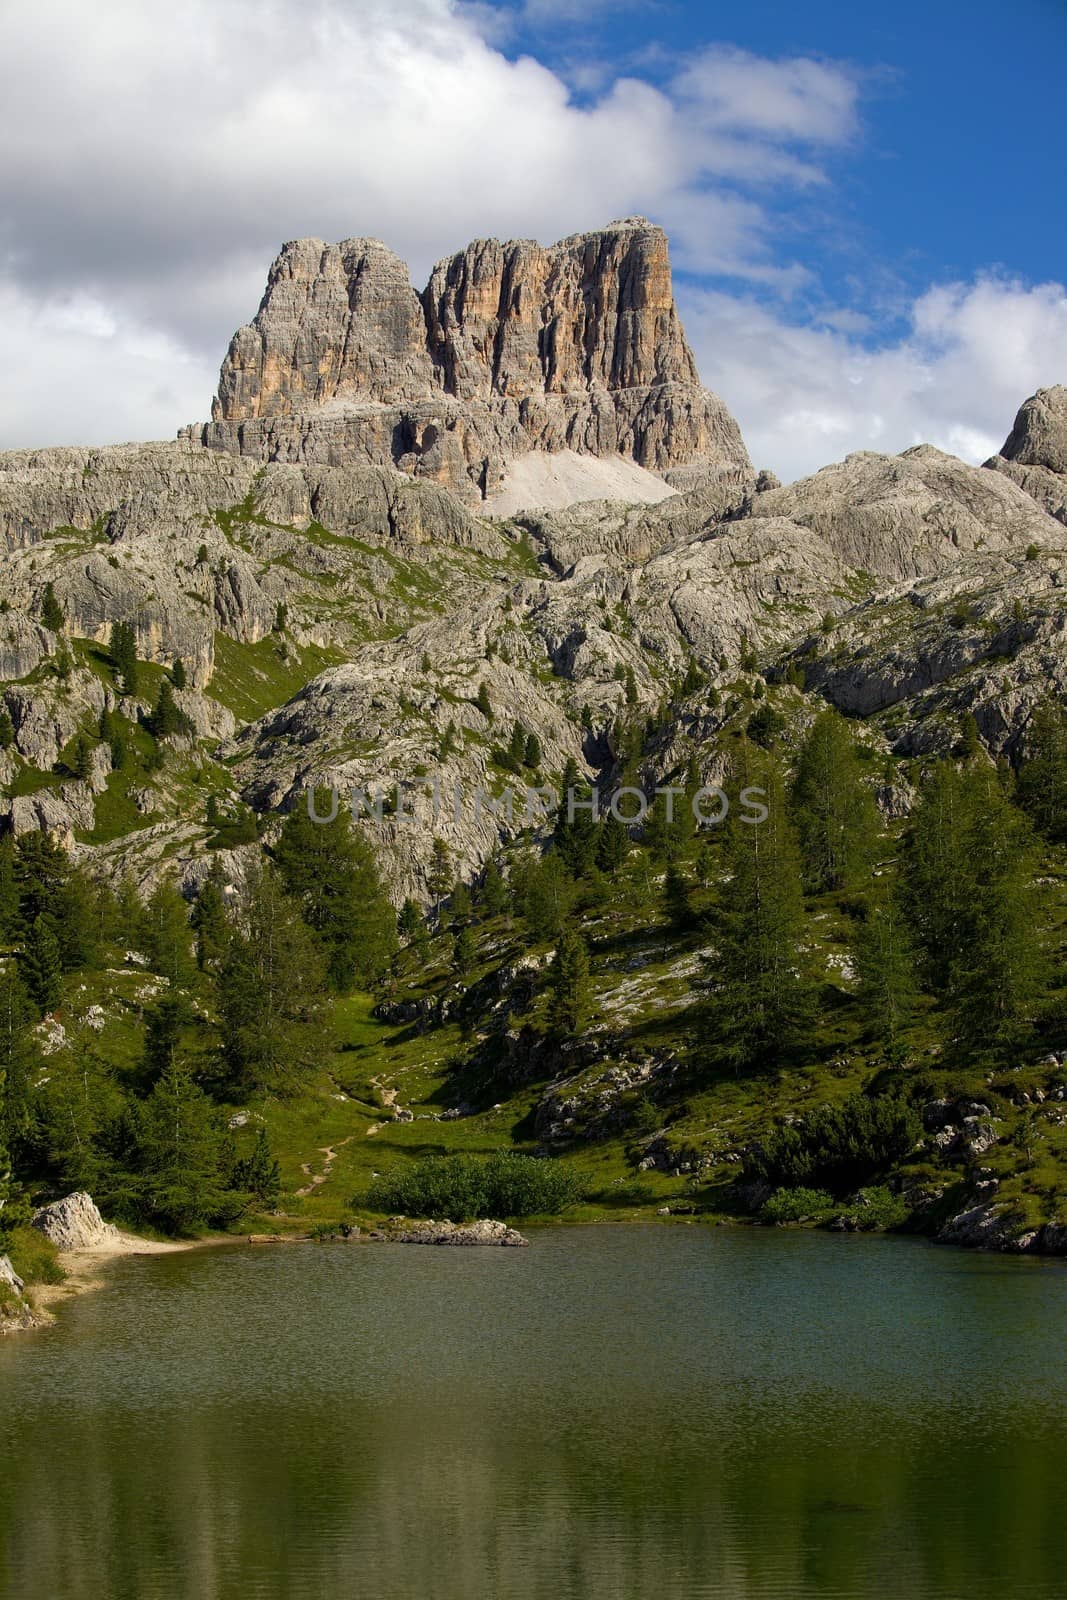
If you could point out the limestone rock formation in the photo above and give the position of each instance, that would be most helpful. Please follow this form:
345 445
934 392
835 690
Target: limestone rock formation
74 1223
451 1233
1034 455
511 348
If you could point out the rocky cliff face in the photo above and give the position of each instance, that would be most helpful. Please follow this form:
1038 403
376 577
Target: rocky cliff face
511 348
1034 455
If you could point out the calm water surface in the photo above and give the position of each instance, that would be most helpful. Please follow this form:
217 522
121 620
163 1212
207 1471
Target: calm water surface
645 1412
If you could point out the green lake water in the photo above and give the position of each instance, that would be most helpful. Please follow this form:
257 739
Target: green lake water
658 1412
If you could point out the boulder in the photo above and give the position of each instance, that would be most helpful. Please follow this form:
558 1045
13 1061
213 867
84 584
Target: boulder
75 1224
451 1233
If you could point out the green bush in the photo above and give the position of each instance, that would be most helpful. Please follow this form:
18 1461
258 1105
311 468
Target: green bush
840 1147
34 1258
797 1205
460 1187
878 1210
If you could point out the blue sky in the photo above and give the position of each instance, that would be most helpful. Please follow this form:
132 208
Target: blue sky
957 162
864 201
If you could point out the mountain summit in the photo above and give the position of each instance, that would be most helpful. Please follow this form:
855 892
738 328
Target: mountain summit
511 351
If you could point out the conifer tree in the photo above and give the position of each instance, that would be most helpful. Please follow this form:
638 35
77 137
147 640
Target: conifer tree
167 934
836 813
51 611
613 844
41 967
885 963
260 1175
272 992
122 647
210 922
330 871
1042 788
761 994
409 922
177 674
7 729
568 986
575 836
440 875
464 950
180 1139
168 719
531 752
492 892
677 899
483 702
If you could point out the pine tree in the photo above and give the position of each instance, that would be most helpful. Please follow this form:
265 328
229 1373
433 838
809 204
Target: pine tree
440 874
41 968
180 1139
1042 789
936 881
575 836
168 719
761 995
330 870
9 888
677 899
167 934
544 893
210 922
613 844
122 647
41 871
177 674
835 811
885 964
163 1030
464 950
409 922
20 1063
272 992
483 702
492 892
531 753
81 761
7 729
568 986
51 611
260 1174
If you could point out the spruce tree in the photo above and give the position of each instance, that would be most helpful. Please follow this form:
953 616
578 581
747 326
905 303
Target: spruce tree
835 810
1042 788
51 611
180 1140
210 922
575 836
167 934
272 992
440 874
544 894
168 719
613 844
677 899
464 950
177 674
568 986
531 752
761 994
41 967
483 702
409 922
122 647
7 729
330 871
260 1175
492 892
885 962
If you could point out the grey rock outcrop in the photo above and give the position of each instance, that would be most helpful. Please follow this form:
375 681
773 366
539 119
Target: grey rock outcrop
1034 455
74 1223
511 348
451 1233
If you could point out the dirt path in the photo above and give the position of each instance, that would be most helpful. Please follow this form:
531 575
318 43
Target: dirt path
317 1179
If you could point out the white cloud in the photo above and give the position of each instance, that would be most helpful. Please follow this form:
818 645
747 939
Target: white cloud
156 157
808 395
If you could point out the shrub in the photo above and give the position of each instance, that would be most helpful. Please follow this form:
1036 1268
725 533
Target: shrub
797 1205
459 1187
33 1257
838 1147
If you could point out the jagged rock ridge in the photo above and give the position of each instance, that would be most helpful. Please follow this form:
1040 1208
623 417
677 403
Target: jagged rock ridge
511 348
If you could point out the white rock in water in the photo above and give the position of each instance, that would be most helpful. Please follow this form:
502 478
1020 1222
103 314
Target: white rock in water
74 1223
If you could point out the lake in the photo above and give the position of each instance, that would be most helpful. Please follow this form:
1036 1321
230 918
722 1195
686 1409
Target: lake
661 1412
